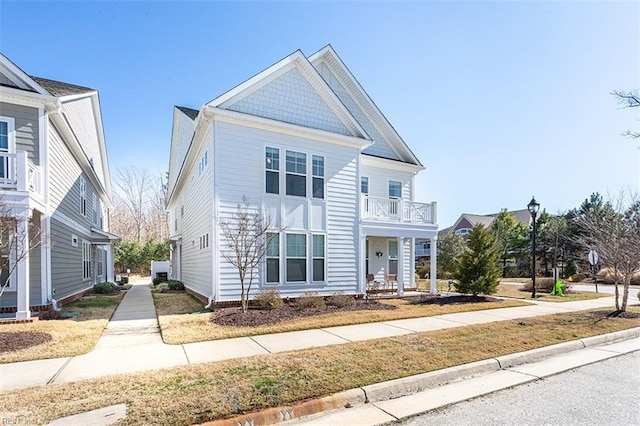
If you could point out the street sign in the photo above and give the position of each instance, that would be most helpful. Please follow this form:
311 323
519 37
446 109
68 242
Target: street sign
593 257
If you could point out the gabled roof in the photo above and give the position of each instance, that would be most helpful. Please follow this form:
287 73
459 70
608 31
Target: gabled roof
58 88
521 216
191 113
298 61
328 56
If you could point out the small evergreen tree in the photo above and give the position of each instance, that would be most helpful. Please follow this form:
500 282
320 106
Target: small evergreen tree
478 272
450 248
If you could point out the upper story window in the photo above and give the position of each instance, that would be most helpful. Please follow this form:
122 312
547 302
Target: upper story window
462 231
318 176
395 189
83 197
296 166
204 161
7 144
272 170
364 185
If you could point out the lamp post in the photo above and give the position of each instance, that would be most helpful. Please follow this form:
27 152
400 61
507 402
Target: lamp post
533 208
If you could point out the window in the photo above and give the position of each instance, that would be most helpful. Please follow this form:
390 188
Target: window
318 258
462 231
296 257
296 174
203 162
7 262
273 258
395 189
318 176
99 261
393 257
364 185
7 145
86 260
83 197
272 170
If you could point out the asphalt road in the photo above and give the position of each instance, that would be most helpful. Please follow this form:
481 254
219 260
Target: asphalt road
605 393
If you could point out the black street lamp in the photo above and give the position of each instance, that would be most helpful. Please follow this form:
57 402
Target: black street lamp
533 207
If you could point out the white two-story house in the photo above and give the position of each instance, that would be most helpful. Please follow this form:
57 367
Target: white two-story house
54 183
303 141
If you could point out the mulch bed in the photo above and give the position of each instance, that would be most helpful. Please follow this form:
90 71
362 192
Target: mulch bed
233 316
615 314
450 300
10 342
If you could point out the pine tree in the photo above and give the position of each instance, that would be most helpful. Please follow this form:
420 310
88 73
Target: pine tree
478 272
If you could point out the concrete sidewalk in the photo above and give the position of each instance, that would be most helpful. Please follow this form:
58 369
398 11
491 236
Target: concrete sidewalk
131 341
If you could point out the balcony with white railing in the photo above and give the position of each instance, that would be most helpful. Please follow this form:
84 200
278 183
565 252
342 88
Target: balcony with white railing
397 210
19 173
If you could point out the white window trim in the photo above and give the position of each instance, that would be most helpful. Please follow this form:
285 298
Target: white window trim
389 187
13 281
86 273
306 258
280 263
324 257
278 171
368 188
314 176
11 133
83 196
305 174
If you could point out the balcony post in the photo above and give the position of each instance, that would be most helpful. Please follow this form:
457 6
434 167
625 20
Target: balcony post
22 271
22 171
400 275
434 212
434 265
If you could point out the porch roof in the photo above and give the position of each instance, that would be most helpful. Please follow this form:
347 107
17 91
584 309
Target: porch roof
98 236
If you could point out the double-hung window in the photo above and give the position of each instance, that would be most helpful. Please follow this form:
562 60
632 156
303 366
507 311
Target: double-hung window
296 173
83 197
86 260
364 185
272 170
7 146
296 257
318 176
318 258
99 261
273 257
395 192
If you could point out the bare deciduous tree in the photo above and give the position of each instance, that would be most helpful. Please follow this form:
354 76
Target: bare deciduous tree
12 242
628 99
247 233
614 233
133 187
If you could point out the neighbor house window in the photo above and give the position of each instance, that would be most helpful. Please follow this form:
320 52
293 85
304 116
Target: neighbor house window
296 257
318 176
83 197
272 170
7 145
364 185
395 189
86 260
6 265
296 173
318 258
273 258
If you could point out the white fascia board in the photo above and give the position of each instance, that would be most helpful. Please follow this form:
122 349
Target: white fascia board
287 128
31 99
391 229
386 163
24 78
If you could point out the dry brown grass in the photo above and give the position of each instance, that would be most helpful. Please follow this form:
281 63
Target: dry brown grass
199 393
180 328
70 337
518 292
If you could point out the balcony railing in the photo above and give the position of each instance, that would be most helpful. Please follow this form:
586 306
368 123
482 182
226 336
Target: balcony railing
398 210
18 172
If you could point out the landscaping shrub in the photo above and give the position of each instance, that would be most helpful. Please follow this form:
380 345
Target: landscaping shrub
162 287
123 280
570 268
341 300
158 280
175 285
542 284
309 300
576 278
51 315
104 288
268 298
423 271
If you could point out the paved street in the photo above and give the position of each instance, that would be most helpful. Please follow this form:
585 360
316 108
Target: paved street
604 393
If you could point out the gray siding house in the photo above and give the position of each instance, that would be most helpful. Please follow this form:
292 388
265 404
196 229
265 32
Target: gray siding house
54 181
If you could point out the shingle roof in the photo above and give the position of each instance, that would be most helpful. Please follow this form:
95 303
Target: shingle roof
191 113
58 88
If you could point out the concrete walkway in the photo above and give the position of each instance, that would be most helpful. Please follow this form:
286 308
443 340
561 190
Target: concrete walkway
131 341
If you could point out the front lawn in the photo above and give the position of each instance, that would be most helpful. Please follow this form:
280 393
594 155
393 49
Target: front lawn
515 291
204 392
178 326
59 338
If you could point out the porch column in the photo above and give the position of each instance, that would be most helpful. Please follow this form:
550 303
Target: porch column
362 276
22 256
434 265
109 266
400 276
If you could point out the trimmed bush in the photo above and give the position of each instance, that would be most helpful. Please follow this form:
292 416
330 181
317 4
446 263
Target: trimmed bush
104 288
423 271
175 285
576 278
162 288
542 284
268 298
341 300
310 300
123 280
158 280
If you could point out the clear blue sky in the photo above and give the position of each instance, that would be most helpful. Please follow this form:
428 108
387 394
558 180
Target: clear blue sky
499 100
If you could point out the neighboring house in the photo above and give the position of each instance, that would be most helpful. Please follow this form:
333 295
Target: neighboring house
54 176
302 140
463 226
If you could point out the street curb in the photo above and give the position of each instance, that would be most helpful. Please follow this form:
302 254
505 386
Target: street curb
408 385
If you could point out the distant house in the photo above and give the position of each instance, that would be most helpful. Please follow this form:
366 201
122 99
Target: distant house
302 140
463 226
54 176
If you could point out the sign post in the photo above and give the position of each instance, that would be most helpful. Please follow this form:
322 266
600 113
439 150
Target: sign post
593 260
